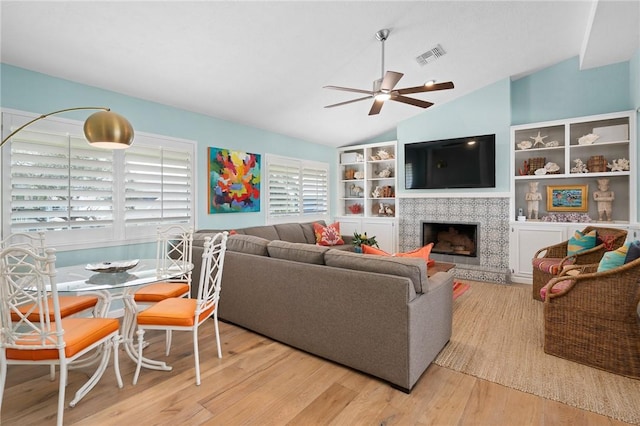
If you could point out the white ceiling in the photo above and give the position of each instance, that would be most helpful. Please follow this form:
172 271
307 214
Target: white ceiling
264 63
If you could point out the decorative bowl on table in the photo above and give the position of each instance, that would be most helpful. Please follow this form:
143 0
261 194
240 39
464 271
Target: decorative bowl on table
119 266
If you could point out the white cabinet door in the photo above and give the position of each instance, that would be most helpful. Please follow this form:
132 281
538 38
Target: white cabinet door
349 226
384 231
525 241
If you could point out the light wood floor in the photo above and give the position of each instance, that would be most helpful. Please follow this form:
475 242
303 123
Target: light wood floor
261 382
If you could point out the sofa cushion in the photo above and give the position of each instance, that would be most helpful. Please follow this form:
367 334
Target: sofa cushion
412 268
268 232
297 252
307 230
291 232
248 244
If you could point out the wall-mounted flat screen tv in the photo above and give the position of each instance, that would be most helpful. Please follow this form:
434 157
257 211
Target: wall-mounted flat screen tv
468 162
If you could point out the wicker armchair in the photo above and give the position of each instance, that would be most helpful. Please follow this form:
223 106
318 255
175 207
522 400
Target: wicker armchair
592 318
555 256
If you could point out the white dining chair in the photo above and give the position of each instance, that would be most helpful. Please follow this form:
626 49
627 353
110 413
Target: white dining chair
173 252
187 314
40 336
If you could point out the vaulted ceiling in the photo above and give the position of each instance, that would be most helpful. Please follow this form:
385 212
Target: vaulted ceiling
264 63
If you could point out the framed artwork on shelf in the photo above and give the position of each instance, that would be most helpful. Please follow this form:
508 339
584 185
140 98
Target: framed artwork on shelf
234 181
567 198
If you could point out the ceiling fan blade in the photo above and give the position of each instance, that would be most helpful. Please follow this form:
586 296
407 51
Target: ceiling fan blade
348 89
390 80
411 101
433 87
376 107
349 102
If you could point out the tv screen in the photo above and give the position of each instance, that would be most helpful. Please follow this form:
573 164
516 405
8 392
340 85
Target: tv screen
468 162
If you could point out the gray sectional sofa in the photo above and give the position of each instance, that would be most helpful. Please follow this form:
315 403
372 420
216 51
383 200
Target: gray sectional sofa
379 315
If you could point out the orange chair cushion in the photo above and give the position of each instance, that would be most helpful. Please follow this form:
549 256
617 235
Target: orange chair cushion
69 305
160 291
173 312
79 333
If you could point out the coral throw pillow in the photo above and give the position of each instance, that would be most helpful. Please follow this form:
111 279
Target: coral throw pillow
328 235
581 242
372 250
423 252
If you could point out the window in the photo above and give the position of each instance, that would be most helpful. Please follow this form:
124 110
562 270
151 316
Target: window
54 181
296 188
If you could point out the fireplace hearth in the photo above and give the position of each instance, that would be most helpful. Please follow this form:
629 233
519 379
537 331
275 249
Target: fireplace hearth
451 238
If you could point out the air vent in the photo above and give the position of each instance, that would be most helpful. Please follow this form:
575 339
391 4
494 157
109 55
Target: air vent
430 55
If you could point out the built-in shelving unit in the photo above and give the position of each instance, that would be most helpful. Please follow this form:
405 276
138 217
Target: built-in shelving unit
569 153
367 191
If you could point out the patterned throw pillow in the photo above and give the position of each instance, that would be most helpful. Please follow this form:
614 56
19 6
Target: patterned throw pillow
614 259
328 235
581 242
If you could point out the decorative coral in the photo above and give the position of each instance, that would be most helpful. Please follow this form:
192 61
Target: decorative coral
619 165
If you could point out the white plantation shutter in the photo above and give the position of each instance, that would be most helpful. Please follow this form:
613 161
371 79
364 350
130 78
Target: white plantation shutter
157 186
314 190
284 190
296 188
54 181
59 182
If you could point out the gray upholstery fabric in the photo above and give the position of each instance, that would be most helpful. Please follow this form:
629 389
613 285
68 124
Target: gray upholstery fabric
307 229
364 313
291 232
267 232
297 252
412 268
248 244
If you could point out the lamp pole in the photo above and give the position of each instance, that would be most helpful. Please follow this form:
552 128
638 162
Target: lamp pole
105 129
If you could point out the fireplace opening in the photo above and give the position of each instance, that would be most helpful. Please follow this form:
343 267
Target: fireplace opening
451 238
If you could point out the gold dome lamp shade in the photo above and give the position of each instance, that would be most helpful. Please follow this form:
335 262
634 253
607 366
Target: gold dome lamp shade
103 129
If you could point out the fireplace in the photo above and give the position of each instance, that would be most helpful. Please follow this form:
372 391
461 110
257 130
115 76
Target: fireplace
451 238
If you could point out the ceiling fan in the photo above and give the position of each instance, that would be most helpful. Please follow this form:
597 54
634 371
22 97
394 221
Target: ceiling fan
383 88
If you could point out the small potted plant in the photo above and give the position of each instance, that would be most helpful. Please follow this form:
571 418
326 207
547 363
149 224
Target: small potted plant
362 239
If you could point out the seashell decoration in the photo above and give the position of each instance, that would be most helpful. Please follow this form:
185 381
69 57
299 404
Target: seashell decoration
588 139
551 167
552 144
383 154
525 144
540 171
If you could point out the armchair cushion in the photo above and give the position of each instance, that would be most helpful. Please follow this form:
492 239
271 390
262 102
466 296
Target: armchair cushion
550 265
634 252
581 242
613 259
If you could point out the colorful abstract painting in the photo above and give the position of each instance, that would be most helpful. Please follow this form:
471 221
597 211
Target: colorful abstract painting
234 181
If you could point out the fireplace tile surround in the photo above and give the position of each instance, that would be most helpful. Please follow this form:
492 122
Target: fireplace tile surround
492 215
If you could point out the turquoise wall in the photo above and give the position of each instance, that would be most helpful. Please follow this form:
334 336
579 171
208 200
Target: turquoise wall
29 91
484 111
564 91
34 92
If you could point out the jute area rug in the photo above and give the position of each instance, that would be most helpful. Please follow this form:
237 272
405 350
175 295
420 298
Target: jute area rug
498 335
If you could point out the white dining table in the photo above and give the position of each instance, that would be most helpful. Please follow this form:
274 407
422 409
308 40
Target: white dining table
119 285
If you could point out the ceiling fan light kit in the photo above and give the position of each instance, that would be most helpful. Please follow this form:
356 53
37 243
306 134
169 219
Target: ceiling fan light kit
383 88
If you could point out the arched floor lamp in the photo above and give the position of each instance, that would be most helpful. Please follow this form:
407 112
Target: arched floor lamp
104 129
